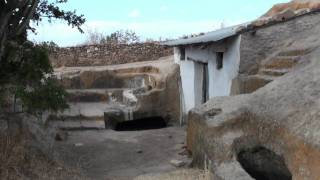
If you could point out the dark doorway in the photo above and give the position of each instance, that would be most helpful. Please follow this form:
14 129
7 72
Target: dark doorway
263 164
205 84
142 124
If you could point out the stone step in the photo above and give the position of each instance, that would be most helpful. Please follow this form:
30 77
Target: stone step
249 84
294 52
86 111
282 62
96 95
273 72
105 80
265 78
78 124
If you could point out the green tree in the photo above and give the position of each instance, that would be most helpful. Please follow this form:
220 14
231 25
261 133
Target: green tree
25 69
121 37
117 37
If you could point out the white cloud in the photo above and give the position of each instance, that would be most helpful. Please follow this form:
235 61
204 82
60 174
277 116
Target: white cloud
134 13
66 36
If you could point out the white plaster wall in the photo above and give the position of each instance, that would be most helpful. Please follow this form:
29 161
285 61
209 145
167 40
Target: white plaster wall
187 69
222 78
219 80
198 83
207 55
191 72
176 55
211 67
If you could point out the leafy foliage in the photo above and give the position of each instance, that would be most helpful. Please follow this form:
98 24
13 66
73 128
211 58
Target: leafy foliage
25 69
122 37
50 10
47 95
118 37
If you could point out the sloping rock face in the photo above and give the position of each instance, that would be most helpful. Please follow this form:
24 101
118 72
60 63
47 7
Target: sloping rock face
272 133
294 6
272 51
138 90
285 11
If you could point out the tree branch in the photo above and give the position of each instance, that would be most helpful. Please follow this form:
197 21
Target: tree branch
23 25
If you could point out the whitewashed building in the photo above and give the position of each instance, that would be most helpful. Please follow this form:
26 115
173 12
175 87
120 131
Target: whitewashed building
208 64
232 60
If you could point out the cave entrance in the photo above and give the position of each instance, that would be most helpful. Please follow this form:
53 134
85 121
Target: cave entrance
263 164
141 124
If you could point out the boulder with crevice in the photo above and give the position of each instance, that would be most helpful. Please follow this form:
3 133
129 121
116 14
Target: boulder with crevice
279 122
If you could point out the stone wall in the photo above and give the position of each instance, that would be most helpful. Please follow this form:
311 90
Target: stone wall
108 54
260 43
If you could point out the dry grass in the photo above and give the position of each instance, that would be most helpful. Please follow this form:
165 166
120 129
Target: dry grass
19 162
185 174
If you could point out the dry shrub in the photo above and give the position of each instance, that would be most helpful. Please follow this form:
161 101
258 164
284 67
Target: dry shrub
11 155
18 161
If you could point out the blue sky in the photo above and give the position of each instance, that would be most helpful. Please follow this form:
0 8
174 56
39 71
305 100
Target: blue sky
153 18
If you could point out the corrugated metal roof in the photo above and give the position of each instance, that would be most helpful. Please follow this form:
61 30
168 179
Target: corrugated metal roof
208 37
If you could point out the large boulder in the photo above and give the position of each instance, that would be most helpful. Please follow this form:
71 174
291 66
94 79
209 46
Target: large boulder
272 133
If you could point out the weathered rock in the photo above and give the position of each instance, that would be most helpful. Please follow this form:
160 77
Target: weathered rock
282 118
284 15
273 50
61 135
262 163
280 40
112 117
3 125
122 92
293 6
177 163
248 84
78 144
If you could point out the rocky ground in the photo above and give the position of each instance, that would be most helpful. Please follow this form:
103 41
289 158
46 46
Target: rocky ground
107 154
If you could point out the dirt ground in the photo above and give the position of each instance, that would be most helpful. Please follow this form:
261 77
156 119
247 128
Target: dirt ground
111 155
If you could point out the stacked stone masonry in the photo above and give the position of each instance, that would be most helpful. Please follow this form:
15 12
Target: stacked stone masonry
107 54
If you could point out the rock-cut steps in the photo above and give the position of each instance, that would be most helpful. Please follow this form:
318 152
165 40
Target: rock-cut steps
280 64
93 93
270 69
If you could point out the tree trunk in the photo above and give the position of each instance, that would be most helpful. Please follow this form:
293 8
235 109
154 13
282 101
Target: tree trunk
19 23
4 19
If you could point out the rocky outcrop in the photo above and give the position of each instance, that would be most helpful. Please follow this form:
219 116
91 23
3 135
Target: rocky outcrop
272 51
295 6
107 54
135 90
284 12
271 133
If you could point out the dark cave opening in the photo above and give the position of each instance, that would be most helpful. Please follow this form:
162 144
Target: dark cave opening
142 124
263 164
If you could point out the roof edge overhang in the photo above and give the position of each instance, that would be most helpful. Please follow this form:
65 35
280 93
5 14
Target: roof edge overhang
210 37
